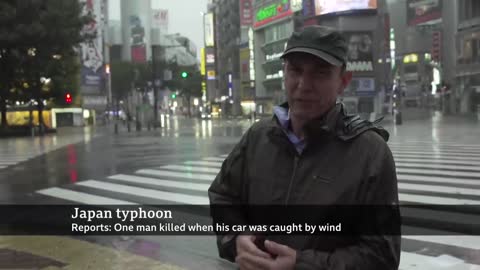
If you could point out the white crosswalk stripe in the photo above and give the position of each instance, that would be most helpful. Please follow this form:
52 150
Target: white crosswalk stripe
190 168
425 178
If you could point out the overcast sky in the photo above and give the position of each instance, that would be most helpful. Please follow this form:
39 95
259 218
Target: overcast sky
184 17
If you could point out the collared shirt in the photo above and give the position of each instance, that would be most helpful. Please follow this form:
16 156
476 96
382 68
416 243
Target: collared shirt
284 119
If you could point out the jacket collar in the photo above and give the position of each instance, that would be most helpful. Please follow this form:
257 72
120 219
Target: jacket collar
320 125
337 123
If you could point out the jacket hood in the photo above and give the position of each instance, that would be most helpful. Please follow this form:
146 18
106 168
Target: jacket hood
339 123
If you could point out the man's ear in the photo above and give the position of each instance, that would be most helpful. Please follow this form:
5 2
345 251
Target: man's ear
346 78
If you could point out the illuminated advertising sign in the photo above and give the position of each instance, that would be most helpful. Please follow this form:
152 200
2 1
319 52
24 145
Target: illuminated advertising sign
202 62
296 5
210 58
92 50
272 13
246 12
360 51
209 30
211 75
423 11
331 6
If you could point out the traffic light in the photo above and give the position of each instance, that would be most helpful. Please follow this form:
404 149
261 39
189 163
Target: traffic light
184 74
174 96
68 98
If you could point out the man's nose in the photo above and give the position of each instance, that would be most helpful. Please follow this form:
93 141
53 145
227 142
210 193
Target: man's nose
305 82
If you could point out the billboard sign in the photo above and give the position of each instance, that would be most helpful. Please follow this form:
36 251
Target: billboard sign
244 64
360 51
211 75
361 87
202 62
272 12
209 30
296 5
423 11
137 39
246 12
160 19
210 58
92 51
308 8
332 6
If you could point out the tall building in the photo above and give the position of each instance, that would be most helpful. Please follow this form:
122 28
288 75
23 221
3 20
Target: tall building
227 41
467 94
272 26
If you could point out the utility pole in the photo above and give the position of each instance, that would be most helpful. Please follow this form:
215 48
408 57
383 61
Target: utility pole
155 88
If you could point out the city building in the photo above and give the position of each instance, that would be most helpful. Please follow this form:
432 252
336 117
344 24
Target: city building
467 94
366 26
426 52
140 36
227 39
272 26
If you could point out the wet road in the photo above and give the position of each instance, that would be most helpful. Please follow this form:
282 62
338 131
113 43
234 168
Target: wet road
437 164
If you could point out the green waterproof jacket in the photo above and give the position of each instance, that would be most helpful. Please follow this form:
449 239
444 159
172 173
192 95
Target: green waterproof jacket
346 161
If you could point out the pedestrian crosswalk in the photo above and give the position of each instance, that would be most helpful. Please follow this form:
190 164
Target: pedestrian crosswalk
429 175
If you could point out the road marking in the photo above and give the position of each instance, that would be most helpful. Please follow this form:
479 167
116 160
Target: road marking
438 179
440 189
187 175
191 168
214 159
224 156
148 193
438 161
434 153
414 261
81 197
465 241
427 199
437 172
160 182
436 157
205 163
438 166
421 143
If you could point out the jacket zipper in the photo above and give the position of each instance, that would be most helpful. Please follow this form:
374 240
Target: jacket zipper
295 165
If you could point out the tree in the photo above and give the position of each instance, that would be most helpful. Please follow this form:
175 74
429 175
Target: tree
39 38
190 86
122 75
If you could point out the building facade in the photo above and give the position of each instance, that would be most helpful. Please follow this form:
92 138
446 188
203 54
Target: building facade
227 55
467 91
273 24
366 26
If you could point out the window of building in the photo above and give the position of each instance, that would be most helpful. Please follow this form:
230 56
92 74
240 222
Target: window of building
278 32
475 9
468 9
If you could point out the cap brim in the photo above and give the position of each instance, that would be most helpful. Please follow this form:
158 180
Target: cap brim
324 56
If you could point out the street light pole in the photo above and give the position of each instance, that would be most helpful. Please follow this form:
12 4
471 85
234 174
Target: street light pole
155 89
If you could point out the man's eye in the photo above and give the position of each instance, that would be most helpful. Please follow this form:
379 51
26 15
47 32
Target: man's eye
293 69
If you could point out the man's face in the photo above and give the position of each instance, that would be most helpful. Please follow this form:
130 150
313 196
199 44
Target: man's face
312 85
354 47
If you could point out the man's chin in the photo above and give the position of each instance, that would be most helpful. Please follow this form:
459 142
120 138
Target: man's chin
305 114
